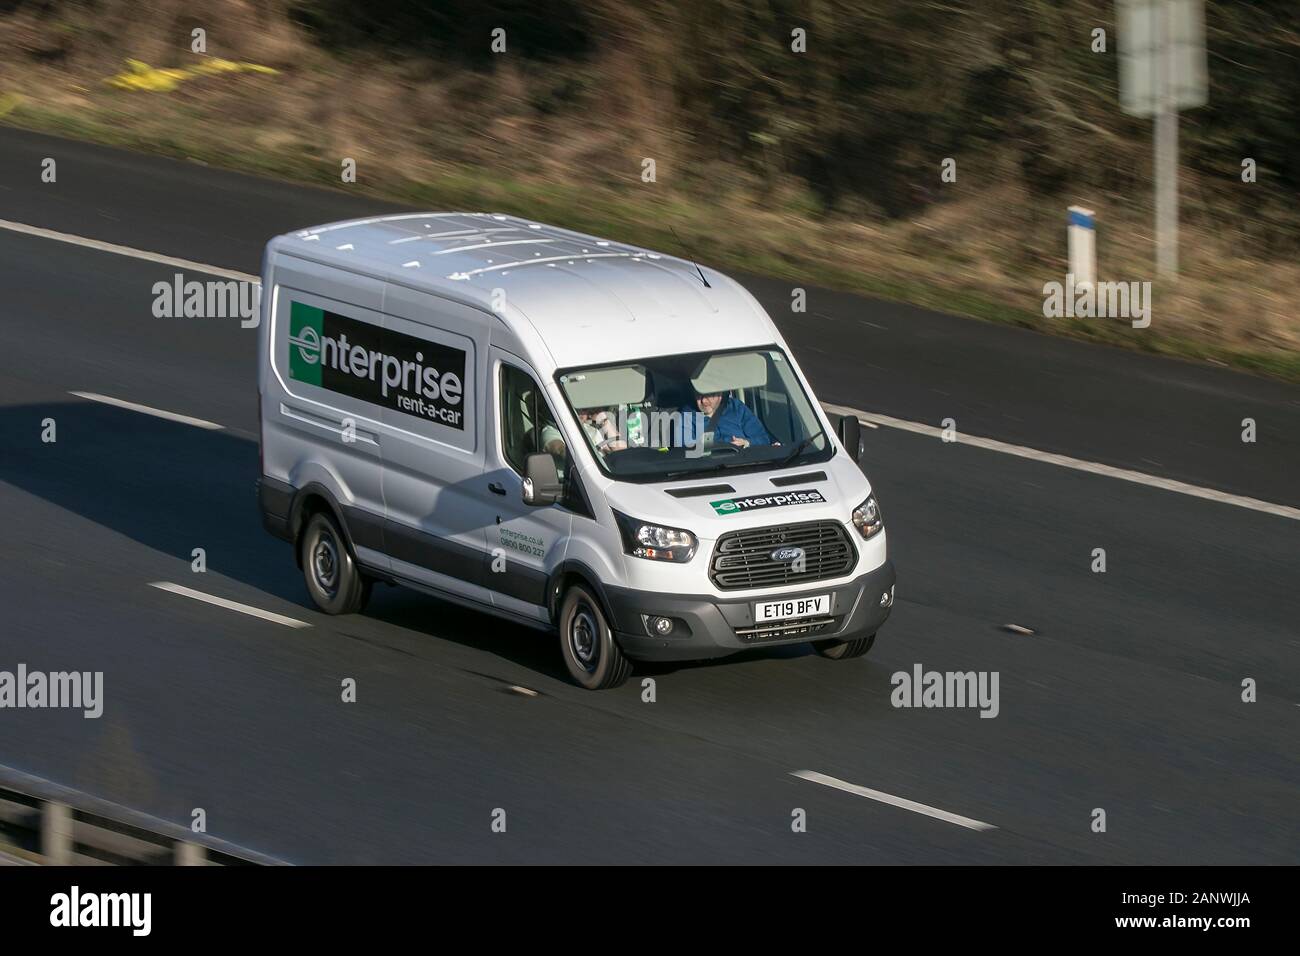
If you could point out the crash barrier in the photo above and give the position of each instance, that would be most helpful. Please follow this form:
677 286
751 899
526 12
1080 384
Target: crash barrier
44 822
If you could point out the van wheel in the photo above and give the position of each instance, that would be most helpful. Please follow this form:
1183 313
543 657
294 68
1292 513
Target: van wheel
334 581
587 642
843 650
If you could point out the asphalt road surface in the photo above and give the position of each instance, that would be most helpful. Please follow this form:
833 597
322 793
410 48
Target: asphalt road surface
1126 697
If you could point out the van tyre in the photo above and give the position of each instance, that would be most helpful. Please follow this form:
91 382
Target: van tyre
587 642
843 650
334 580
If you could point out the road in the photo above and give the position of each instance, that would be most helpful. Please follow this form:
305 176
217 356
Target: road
1127 696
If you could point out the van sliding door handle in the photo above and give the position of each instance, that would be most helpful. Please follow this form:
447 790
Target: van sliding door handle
497 488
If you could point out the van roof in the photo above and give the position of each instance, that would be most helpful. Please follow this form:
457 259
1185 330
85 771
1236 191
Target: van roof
590 300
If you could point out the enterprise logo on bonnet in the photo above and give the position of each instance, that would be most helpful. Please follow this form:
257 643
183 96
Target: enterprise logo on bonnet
731 506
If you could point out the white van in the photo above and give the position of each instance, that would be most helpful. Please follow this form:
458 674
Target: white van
567 432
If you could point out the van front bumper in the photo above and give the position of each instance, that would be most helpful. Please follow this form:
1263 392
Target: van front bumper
709 626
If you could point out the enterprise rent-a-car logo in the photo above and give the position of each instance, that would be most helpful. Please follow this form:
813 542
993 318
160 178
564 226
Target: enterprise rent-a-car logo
375 365
731 506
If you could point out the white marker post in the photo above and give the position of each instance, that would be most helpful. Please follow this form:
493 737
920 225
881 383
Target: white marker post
1162 70
1081 233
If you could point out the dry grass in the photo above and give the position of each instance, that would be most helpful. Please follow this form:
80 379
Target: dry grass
566 143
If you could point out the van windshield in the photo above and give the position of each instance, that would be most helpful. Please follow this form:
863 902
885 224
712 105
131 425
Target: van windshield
696 414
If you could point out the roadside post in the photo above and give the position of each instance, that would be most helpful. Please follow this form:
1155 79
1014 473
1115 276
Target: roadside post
1081 234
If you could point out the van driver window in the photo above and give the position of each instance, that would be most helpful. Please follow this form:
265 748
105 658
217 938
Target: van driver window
527 425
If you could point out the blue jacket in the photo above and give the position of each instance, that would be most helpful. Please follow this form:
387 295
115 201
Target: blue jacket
735 420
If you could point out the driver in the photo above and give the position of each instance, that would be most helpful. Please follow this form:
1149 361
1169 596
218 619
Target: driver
728 418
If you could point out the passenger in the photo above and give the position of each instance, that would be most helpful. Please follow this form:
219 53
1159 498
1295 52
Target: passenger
599 426
601 429
728 418
548 433
553 442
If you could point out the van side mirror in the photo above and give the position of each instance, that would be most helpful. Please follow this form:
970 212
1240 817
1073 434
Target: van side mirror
850 433
541 480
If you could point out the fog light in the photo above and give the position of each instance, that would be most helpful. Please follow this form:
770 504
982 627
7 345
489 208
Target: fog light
656 625
887 597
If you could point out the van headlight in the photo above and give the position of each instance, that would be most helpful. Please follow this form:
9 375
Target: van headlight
866 518
641 539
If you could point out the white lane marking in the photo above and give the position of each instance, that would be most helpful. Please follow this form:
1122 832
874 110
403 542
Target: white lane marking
870 419
228 605
1078 464
193 266
826 781
156 412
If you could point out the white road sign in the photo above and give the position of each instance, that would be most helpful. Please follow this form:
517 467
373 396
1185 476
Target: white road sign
1161 55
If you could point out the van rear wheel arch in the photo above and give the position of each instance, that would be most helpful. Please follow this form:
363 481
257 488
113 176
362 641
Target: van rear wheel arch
335 582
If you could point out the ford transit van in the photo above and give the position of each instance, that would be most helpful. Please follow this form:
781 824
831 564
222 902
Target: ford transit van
592 439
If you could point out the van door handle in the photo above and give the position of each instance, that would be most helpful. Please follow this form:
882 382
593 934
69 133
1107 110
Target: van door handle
497 488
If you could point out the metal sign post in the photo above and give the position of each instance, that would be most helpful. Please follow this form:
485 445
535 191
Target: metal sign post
1162 70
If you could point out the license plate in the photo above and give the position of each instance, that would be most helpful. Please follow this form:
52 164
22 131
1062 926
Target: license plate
792 608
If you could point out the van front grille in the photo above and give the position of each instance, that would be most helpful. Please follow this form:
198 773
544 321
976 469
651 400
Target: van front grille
743 559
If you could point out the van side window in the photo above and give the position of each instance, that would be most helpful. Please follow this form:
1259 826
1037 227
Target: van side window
527 424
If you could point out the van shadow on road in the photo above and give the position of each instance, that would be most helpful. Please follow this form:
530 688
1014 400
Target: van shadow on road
173 488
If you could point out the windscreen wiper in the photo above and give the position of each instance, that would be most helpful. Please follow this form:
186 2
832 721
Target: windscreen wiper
714 466
798 449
